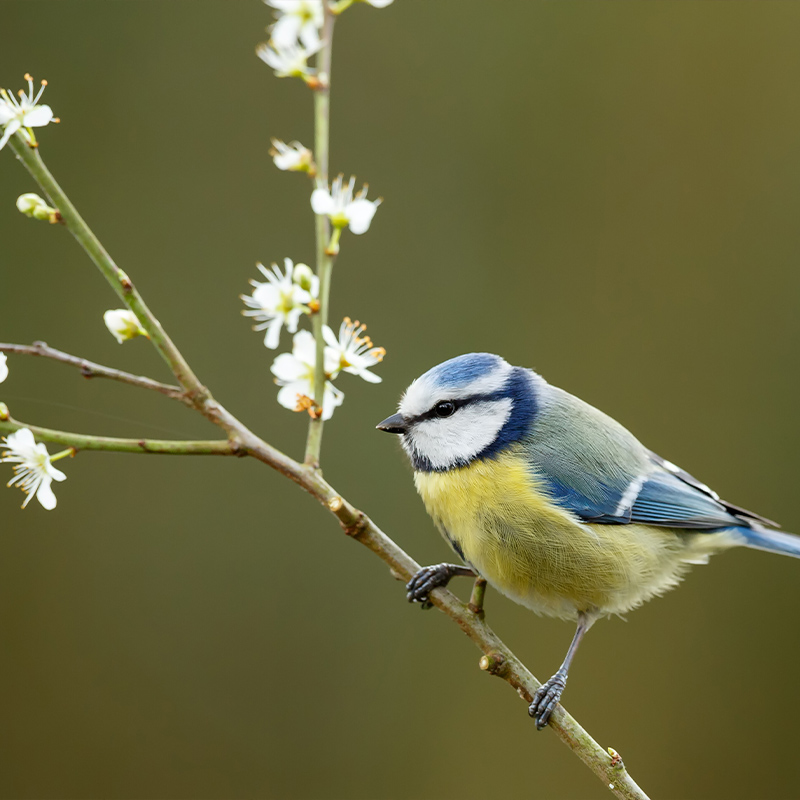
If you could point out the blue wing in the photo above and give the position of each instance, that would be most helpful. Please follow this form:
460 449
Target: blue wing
592 466
664 496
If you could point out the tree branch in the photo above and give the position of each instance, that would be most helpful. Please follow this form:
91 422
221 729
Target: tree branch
497 659
119 281
322 120
89 369
81 441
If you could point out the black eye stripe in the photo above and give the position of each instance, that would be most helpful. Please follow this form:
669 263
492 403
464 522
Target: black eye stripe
433 413
458 403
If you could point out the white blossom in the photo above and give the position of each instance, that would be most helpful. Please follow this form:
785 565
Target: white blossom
293 157
288 61
279 301
24 113
297 19
353 352
294 373
33 471
3 367
343 209
123 324
379 3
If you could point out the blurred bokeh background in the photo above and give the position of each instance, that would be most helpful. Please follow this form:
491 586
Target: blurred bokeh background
607 192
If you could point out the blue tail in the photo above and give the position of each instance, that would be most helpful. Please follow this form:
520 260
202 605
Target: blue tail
772 541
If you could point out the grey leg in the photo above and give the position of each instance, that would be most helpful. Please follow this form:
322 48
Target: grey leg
549 693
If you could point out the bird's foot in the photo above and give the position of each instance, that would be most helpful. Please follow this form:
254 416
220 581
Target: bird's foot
545 699
428 579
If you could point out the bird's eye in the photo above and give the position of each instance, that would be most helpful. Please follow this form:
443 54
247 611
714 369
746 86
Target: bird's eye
444 409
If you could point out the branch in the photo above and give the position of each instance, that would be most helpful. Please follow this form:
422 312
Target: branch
91 370
119 281
322 120
498 659
80 441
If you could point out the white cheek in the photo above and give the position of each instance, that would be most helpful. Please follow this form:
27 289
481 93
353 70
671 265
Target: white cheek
455 440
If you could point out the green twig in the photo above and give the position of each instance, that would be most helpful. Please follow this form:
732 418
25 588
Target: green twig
119 281
81 441
91 370
322 116
476 598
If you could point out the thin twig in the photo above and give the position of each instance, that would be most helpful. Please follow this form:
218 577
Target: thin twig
82 441
119 281
322 119
475 604
89 369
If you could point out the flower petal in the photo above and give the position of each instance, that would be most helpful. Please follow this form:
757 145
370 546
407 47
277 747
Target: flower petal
3 367
285 30
286 160
21 440
309 36
287 396
45 494
287 368
11 129
321 201
273 336
368 376
304 347
37 117
330 337
332 398
361 212
55 473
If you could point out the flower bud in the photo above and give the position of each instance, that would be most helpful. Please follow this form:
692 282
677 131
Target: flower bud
303 276
31 205
123 324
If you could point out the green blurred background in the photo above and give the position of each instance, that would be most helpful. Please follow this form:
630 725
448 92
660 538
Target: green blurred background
607 192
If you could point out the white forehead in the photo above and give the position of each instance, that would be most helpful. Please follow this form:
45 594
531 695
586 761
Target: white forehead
457 379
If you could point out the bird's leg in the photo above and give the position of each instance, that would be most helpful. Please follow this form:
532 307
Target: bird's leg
430 578
549 693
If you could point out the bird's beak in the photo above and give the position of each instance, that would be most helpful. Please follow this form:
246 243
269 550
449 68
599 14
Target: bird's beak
393 424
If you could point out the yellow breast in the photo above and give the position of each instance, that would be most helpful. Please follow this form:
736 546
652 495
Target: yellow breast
496 512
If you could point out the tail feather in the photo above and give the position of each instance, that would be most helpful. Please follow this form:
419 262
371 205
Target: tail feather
786 544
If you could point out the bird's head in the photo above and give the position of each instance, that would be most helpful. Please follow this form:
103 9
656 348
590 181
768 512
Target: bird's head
470 407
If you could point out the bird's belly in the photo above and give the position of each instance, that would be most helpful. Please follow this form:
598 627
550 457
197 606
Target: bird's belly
543 557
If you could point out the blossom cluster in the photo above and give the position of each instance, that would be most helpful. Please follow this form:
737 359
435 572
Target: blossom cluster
291 294
296 35
280 302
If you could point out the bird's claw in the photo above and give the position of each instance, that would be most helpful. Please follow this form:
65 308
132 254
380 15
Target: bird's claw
425 581
545 699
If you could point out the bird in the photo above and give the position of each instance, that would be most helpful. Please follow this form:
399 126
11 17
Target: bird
554 503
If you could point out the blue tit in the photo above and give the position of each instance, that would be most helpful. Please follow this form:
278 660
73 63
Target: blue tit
554 503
